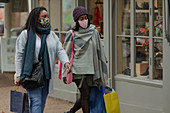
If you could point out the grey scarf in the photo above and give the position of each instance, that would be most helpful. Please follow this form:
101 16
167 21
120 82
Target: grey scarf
81 42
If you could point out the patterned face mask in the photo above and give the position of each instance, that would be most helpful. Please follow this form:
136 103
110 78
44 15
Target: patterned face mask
44 22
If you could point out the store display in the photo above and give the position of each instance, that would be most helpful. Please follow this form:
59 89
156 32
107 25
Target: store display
96 15
146 72
127 71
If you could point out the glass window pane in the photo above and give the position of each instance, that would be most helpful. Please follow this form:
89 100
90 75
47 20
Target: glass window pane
158 18
95 9
142 57
124 55
1 21
124 17
158 59
142 17
67 8
19 16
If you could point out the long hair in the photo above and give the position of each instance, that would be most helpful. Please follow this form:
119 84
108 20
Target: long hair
32 20
76 27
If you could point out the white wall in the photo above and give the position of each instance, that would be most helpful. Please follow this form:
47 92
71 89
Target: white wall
139 97
166 76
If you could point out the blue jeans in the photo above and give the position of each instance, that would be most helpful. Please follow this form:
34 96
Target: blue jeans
38 98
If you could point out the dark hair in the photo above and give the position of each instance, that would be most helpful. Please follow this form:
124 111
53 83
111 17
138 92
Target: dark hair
76 27
32 20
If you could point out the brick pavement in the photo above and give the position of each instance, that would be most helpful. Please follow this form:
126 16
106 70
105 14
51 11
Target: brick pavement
53 105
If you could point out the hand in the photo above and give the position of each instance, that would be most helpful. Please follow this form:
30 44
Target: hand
18 81
68 67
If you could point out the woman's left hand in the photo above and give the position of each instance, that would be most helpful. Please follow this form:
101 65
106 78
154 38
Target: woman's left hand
18 81
68 67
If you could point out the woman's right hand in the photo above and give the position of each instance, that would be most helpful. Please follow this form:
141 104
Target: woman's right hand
18 81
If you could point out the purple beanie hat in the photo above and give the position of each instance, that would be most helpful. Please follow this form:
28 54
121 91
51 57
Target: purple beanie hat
78 11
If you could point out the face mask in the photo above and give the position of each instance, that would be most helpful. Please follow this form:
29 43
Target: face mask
83 23
44 22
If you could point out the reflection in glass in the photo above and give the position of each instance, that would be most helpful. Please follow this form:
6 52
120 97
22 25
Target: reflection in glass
142 57
158 59
18 20
142 17
158 18
124 55
124 17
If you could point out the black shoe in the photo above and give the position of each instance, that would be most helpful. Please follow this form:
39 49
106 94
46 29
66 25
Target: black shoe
67 111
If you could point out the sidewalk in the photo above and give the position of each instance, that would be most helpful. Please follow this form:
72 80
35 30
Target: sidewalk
53 105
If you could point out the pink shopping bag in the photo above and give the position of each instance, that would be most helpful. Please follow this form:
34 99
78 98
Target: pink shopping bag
60 70
69 76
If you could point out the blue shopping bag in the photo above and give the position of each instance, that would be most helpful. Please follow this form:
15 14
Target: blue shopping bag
19 102
97 99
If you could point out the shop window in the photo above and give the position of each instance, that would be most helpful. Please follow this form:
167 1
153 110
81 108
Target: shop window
95 9
142 43
158 59
124 17
158 39
144 53
142 17
142 57
19 16
67 8
124 55
1 19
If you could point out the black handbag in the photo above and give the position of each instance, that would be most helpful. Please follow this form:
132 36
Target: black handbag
36 80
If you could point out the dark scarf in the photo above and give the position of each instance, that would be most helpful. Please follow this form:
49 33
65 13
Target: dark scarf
29 51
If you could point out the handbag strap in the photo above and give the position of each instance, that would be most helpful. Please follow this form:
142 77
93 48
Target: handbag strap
72 52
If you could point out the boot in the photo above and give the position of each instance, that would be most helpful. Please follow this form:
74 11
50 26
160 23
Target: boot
67 111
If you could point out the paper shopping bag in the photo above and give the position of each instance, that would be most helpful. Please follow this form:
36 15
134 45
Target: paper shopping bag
19 102
97 100
112 102
69 76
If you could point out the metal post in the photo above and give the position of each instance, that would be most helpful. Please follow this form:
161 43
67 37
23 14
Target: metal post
151 24
29 5
132 40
